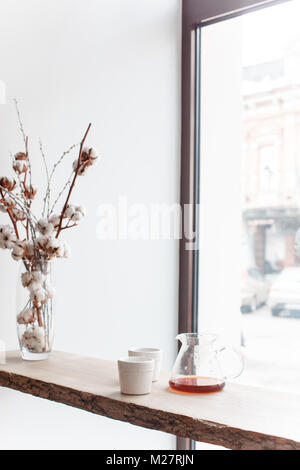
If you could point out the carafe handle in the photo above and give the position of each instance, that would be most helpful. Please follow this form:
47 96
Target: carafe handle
240 368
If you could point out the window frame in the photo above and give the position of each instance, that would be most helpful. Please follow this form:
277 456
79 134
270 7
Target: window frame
195 15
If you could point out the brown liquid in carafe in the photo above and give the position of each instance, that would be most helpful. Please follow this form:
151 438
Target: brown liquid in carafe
195 384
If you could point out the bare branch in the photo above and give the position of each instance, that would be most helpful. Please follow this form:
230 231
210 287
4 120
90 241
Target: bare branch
25 138
67 184
21 127
47 195
74 180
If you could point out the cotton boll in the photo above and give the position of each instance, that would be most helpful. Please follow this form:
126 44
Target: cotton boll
26 279
70 211
33 280
94 154
85 152
76 217
20 166
83 167
33 339
7 237
29 249
25 317
34 286
18 251
42 241
42 225
83 170
54 220
15 256
84 163
7 230
89 155
45 227
7 183
81 210
37 276
30 192
9 244
53 245
75 213
39 295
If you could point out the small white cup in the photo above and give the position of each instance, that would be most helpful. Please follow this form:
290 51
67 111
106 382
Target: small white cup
135 375
154 353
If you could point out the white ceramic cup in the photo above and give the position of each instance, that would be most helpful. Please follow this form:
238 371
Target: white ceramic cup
136 375
154 353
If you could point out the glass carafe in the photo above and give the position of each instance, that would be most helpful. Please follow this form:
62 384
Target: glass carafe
199 364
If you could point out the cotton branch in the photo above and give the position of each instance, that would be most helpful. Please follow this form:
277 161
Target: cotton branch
73 182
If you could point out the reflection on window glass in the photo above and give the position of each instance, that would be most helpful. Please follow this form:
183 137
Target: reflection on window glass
271 210
252 201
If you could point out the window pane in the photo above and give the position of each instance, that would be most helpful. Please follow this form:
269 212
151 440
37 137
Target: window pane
249 279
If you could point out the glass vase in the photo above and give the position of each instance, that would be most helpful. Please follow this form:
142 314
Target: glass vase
35 316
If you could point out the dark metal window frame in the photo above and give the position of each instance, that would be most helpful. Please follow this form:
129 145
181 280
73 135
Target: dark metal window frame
195 15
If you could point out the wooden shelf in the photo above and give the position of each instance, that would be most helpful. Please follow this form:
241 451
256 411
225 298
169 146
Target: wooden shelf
239 417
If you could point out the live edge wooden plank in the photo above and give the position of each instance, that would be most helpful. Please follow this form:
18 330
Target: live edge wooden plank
239 417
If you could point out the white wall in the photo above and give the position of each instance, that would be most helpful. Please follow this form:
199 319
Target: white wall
114 63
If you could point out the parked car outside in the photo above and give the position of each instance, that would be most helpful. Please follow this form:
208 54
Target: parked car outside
255 290
284 296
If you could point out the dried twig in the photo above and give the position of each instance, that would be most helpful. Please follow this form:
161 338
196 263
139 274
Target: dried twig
69 226
18 199
21 127
66 185
73 182
25 138
47 195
